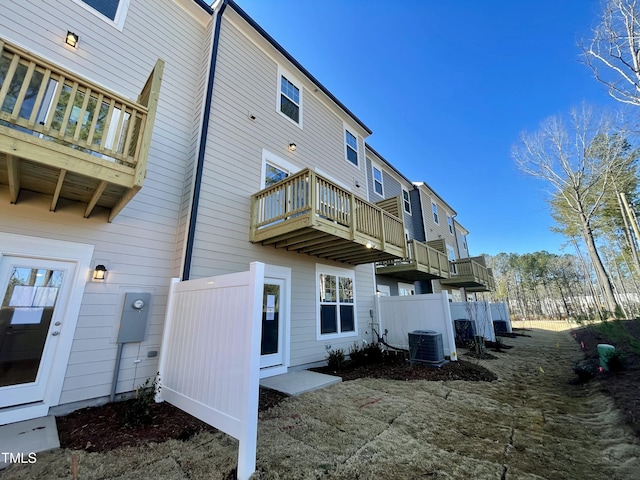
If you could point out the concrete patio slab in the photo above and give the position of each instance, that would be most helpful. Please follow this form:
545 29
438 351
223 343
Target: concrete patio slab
295 383
21 440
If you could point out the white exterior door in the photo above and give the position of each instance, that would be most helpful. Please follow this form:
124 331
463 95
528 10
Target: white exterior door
273 323
34 297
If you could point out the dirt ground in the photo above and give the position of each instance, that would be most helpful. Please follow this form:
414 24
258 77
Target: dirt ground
530 423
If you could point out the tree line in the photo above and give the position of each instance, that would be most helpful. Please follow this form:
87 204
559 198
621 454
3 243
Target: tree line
588 161
547 285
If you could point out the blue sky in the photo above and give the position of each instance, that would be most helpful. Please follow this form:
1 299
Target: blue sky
447 87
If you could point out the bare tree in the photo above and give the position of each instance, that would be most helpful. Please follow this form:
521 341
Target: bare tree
614 51
579 162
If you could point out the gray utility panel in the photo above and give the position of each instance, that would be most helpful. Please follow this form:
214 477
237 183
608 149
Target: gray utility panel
135 314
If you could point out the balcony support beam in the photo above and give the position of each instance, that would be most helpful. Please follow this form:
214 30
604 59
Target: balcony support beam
56 193
13 172
94 198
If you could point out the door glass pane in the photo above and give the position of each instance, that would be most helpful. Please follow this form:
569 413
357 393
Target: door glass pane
270 319
25 316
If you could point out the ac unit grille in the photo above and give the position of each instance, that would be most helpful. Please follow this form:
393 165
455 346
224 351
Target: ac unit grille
425 346
500 326
465 329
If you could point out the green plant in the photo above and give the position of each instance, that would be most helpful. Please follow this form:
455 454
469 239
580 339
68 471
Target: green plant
138 411
373 353
615 361
357 355
336 359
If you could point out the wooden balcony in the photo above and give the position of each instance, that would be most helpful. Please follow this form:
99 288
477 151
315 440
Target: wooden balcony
470 273
309 214
67 137
424 261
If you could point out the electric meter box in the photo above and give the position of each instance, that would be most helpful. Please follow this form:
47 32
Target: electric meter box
135 314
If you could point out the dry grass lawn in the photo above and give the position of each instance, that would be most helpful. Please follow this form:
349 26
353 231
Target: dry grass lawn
529 424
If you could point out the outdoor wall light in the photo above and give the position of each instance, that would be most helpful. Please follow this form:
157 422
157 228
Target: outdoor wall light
71 39
371 245
100 272
292 147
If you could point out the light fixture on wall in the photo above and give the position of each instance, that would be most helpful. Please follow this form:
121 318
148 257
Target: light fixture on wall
71 39
371 245
100 272
292 147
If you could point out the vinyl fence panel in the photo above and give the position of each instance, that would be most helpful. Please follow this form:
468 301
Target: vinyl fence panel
478 312
404 314
210 357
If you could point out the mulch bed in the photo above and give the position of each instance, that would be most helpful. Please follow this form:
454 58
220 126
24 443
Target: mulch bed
395 367
622 385
100 429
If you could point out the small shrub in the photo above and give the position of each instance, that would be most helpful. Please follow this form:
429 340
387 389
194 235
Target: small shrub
357 355
373 353
615 361
336 359
138 410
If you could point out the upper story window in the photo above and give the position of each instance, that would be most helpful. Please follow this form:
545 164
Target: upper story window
450 224
378 187
113 11
290 98
434 209
406 201
351 147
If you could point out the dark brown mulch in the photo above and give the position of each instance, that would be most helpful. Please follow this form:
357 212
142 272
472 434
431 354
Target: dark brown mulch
481 356
622 385
99 429
395 367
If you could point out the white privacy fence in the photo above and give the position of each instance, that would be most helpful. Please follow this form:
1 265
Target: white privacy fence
404 314
500 312
478 312
210 357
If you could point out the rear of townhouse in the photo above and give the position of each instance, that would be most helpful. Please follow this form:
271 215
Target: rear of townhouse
249 158
270 121
136 240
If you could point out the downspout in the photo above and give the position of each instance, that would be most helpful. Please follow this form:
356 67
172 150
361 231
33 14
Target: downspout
203 146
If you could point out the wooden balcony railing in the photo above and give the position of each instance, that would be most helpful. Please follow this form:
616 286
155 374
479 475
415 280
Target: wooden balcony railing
310 214
470 273
423 262
55 118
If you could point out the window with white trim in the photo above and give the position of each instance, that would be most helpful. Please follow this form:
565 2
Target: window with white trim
406 201
378 186
351 147
450 224
290 98
113 11
406 289
434 209
336 302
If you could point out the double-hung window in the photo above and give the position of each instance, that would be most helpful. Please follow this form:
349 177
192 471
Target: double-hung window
406 201
377 180
111 10
450 224
290 99
336 302
351 147
434 209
